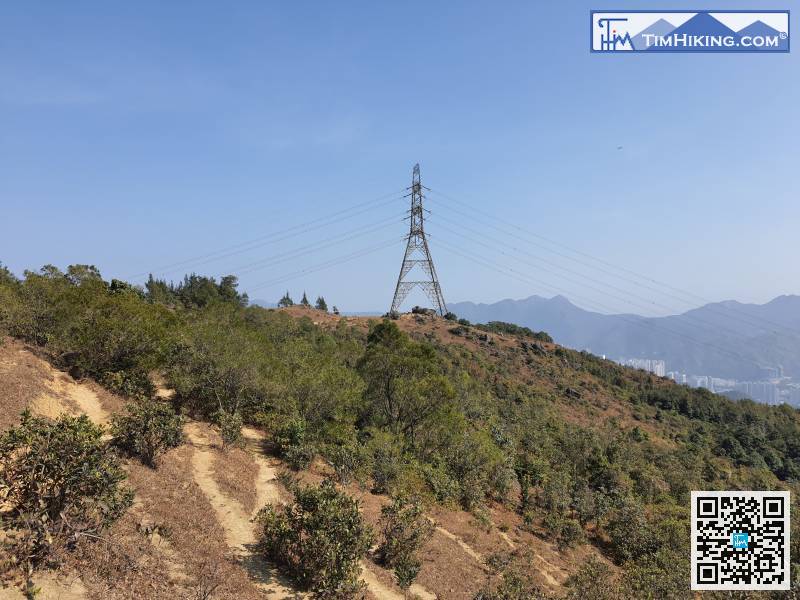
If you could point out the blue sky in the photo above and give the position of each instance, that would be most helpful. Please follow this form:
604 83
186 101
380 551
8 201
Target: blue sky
138 135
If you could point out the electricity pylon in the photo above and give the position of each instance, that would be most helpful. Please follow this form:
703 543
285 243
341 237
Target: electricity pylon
418 255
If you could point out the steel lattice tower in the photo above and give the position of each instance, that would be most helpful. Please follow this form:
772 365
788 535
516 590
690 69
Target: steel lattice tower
418 254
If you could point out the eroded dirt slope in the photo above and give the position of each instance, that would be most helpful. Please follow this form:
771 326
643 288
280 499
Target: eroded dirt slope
190 530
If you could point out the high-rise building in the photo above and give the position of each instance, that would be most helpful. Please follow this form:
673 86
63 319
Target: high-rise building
657 367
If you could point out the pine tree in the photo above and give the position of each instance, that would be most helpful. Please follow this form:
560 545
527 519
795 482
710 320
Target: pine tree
305 301
335 310
321 304
287 300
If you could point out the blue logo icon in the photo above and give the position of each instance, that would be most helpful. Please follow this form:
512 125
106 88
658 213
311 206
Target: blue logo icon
689 31
740 540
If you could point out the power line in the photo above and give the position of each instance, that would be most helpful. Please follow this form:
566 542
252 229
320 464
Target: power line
514 274
327 264
645 302
714 307
310 248
282 234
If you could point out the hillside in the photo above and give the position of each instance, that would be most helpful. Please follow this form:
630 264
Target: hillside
545 470
723 339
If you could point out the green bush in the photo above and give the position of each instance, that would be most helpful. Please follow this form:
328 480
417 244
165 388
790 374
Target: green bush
134 383
593 581
318 540
350 461
510 577
387 461
230 428
443 486
147 430
59 482
292 446
404 530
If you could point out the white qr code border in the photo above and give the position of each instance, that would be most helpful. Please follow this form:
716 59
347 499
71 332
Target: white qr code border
696 558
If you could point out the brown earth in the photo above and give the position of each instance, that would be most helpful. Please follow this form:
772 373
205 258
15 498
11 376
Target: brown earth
190 529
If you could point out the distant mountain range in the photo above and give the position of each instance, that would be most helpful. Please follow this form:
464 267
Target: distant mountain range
724 339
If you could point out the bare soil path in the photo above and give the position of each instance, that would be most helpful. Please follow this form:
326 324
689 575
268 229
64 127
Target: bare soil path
240 532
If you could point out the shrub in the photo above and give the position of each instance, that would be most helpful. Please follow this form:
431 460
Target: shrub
567 532
593 581
510 577
290 441
445 489
472 460
350 461
512 329
147 430
451 316
630 532
387 461
58 482
404 530
133 383
318 540
230 428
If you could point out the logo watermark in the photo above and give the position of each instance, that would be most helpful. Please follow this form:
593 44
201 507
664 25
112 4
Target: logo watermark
740 540
689 31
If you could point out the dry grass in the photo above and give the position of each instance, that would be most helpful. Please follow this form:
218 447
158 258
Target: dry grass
23 377
235 471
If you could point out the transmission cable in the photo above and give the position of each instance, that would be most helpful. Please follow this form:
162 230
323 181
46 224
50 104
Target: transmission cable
283 234
714 306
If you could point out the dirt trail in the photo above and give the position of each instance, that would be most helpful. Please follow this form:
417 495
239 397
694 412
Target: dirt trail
549 567
266 489
240 533
52 587
63 394
458 540
268 493
546 572
376 587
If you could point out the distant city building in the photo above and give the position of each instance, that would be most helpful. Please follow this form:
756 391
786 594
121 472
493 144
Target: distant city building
700 381
677 377
761 391
657 367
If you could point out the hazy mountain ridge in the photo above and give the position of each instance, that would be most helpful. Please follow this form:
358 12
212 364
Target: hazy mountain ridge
723 339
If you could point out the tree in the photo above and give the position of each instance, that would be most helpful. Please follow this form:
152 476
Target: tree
286 300
321 304
304 301
405 381
335 310
318 540
217 365
228 291
78 274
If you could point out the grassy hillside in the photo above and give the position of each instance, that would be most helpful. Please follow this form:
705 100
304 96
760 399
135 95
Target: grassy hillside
528 438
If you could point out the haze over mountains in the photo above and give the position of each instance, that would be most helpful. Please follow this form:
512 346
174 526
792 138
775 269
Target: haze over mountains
723 339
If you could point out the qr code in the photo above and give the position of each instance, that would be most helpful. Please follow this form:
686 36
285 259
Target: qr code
740 541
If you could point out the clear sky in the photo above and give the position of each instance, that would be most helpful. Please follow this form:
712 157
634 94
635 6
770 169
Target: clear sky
138 135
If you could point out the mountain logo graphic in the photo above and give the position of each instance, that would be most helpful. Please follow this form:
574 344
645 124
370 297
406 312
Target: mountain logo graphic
689 31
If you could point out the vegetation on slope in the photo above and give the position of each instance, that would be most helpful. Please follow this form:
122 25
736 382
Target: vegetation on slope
586 450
